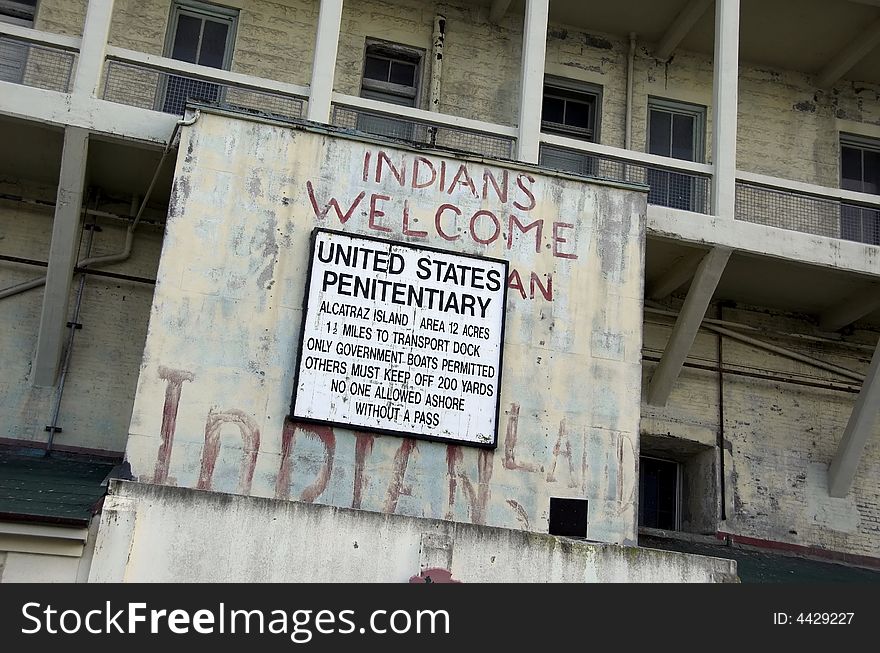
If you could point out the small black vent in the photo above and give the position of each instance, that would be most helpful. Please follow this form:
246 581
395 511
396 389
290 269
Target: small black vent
568 517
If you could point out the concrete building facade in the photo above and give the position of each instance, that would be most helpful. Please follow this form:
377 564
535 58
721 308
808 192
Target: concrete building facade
686 192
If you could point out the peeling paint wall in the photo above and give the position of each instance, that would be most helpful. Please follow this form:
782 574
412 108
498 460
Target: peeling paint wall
779 438
98 395
365 547
223 333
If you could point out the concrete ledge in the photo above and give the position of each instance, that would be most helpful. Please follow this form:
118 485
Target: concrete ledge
152 533
699 229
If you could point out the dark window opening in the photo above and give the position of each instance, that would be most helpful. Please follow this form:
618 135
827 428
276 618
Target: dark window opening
658 493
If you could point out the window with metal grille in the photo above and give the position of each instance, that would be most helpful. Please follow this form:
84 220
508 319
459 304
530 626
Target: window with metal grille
13 54
659 486
860 172
570 108
392 74
676 130
198 33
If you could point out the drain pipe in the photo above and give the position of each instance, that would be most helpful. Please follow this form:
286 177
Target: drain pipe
438 40
129 233
73 325
630 64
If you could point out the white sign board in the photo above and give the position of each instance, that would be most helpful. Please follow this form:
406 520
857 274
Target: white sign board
401 339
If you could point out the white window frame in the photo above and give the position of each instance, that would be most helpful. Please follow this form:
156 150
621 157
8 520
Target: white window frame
384 91
592 93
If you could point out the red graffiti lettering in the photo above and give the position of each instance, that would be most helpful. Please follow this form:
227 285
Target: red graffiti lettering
250 435
537 225
175 379
437 218
406 230
510 443
558 240
496 227
557 451
500 191
321 214
376 212
363 446
478 499
397 487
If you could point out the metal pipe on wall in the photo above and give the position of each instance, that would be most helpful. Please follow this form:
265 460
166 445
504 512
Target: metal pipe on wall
630 65
129 233
760 344
73 325
438 40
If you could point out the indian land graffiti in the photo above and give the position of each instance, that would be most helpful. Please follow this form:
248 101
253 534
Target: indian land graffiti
507 210
468 484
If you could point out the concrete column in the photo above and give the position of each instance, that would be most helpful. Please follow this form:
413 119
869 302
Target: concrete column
685 330
531 87
63 252
724 107
324 64
862 424
90 65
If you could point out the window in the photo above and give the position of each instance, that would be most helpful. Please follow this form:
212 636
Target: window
391 74
676 130
570 108
658 493
860 172
13 54
18 12
202 34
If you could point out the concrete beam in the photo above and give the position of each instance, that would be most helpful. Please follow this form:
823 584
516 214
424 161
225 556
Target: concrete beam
675 277
62 109
843 61
724 108
709 231
853 308
324 63
680 27
90 64
531 87
862 424
63 253
498 9
688 322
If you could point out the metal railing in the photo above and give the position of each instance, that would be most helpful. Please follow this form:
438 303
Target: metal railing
435 133
41 66
146 86
668 185
796 210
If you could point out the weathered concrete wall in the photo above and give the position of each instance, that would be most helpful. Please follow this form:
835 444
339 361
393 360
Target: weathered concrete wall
98 394
779 438
223 333
328 544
